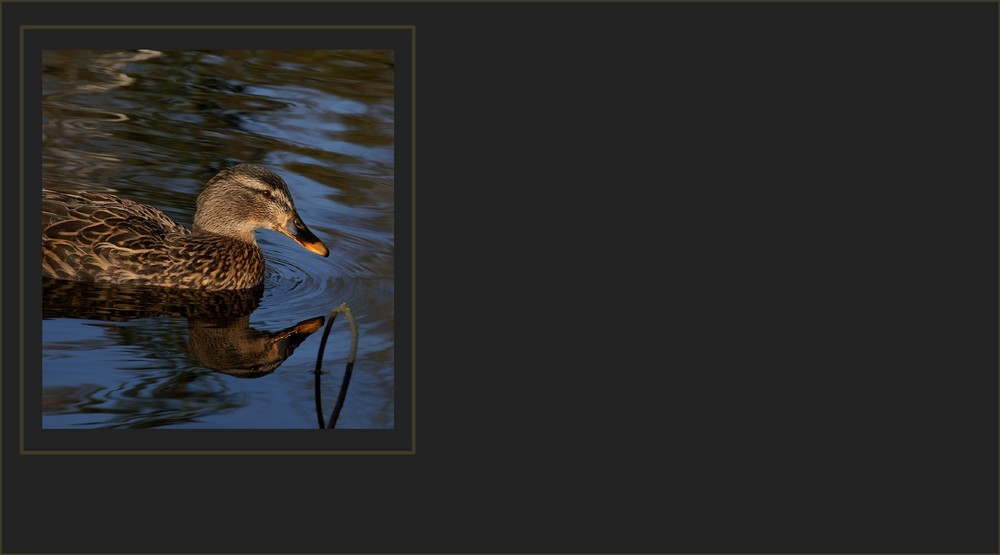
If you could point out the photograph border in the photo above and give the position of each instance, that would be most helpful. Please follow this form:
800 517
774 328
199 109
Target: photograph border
405 176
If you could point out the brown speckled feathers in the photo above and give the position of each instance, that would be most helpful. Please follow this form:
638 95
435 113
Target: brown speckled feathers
99 237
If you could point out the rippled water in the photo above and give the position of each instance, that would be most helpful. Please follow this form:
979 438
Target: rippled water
153 127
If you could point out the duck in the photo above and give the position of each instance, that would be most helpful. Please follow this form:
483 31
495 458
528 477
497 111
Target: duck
99 237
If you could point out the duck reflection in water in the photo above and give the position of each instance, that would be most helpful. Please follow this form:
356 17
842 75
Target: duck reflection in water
219 334
234 348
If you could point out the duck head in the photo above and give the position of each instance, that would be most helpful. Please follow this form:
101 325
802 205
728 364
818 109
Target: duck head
242 198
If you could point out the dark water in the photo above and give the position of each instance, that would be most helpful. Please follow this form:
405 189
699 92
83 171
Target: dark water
153 127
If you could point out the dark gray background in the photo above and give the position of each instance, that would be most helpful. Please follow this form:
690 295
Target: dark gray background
690 277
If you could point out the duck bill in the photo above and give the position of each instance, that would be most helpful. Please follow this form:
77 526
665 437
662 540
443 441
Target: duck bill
301 235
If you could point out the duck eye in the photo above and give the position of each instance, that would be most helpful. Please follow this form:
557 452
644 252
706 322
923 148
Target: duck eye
266 193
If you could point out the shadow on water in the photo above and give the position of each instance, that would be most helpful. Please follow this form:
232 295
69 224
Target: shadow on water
219 334
219 338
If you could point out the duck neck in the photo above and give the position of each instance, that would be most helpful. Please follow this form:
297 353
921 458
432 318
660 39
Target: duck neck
244 235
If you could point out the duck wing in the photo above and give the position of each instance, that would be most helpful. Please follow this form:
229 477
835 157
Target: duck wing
87 235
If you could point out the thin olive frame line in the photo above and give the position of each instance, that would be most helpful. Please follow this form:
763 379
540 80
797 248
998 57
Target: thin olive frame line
413 127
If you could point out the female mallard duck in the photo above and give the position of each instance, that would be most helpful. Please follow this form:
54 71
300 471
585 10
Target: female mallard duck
102 238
